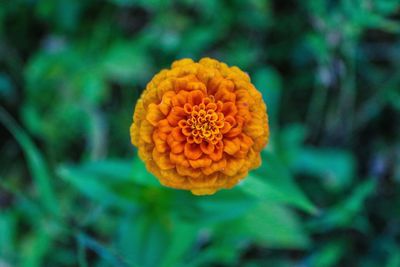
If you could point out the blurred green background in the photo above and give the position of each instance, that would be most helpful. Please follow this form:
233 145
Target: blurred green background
74 193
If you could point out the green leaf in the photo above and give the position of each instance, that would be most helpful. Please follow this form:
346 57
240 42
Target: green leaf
127 62
335 167
394 258
35 248
8 231
142 176
344 213
7 89
329 254
290 142
153 239
268 82
271 225
108 184
273 181
223 206
182 237
36 163
101 250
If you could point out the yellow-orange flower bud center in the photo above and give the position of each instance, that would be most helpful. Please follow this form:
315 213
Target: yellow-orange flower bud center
203 122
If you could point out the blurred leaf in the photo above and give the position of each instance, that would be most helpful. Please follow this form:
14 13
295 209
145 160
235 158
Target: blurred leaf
241 53
123 2
268 82
336 167
274 225
94 88
270 225
36 163
369 18
63 13
329 254
144 239
394 258
386 7
393 97
109 182
103 252
222 250
290 142
225 205
273 181
35 248
127 62
110 169
149 239
343 214
8 234
150 4
198 39
142 176
7 89
182 237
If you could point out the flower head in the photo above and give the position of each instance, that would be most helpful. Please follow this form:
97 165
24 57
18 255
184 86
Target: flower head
200 126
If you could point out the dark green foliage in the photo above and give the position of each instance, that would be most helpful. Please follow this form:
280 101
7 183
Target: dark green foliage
74 193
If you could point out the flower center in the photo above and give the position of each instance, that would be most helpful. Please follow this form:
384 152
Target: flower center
203 122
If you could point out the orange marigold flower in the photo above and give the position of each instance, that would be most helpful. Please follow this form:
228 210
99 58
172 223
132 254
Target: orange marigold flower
200 126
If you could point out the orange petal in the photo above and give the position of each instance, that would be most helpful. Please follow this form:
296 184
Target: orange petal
180 99
211 106
154 114
220 104
162 160
177 147
198 140
164 88
214 167
195 97
188 108
229 109
177 134
192 151
234 132
246 141
231 120
146 131
187 131
255 128
134 134
225 96
159 143
213 84
227 126
181 83
176 114
164 127
202 162
207 147
227 85
191 86
231 146
165 104
218 151
233 166
203 191
181 62
179 159
188 171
